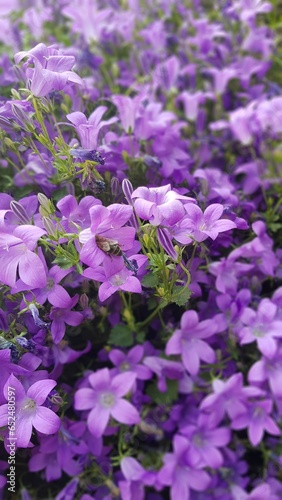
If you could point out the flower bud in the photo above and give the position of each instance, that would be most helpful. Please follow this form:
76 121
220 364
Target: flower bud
19 211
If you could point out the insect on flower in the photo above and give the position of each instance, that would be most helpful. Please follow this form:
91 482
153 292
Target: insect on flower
111 247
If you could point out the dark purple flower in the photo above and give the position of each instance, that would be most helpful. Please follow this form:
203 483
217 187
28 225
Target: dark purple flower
62 316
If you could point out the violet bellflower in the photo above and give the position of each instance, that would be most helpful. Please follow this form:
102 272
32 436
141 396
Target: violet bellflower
198 226
88 130
136 478
229 397
132 361
256 418
52 69
106 226
17 253
269 369
104 399
205 439
188 342
30 411
160 205
262 326
179 474
116 277
60 316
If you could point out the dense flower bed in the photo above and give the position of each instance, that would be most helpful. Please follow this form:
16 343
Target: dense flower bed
140 225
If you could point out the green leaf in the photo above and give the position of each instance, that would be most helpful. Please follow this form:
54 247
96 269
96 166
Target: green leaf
150 280
121 335
180 298
163 398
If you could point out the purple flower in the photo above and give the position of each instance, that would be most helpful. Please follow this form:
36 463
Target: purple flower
261 492
30 411
228 272
53 292
130 362
270 370
188 341
52 69
256 418
228 397
74 213
198 226
204 443
88 130
159 205
62 316
7 368
116 277
105 400
128 110
164 369
106 229
16 251
136 478
179 474
262 327
56 455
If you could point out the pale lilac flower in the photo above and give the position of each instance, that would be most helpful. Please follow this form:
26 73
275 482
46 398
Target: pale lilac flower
53 292
115 277
106 223
88 130
128 110
198 226
256 419
188 341
52 69
30 411
262 326
105 399
160 205
17 253
74 213
87 19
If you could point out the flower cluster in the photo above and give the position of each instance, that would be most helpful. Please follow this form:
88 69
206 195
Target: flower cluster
140 226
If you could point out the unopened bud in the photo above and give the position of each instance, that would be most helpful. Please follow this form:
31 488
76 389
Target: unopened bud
84 301
165 241
46 205
127 190
19 212
50 228
114 186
